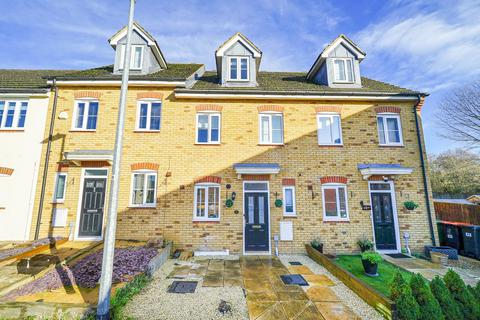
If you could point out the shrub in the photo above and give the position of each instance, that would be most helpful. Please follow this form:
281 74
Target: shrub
317 244
475 291
401 294
449 306
372 257
465 299
365 244
429 307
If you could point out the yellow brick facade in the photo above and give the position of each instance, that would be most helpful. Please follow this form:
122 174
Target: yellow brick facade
181 162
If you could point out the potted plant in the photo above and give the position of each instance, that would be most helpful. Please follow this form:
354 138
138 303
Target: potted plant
370 261
410 205
365 244
317 244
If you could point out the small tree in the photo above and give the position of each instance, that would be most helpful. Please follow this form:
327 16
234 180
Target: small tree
475 291
429 307
401 294
459 291
449 306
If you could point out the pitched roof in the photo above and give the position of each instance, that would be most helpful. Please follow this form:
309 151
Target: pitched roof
241 37
295 82
26 81
174 72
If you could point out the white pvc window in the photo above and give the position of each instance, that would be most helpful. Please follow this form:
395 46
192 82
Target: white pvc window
343 70
85 115
206 202
149 115
144 189
335 204
271 128
13 114
389 129
60 187
329 129
239 68
136 60
208 128
289 201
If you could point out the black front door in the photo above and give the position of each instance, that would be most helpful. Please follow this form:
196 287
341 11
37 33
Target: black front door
256 221
383 221
91 216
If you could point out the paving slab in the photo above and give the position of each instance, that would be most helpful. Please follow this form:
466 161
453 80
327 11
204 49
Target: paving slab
319 280
303 270
335 311
322 294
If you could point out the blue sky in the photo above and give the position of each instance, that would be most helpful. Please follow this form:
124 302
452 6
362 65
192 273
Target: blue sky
425 45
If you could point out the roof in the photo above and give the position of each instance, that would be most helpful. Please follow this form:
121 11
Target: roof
174 72
26 81
295 82
239 36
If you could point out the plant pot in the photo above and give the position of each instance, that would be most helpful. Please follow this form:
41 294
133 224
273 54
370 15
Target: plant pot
319 248
370 268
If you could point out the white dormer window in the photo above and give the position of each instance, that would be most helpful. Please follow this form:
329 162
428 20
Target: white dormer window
238 68
343 70
136 60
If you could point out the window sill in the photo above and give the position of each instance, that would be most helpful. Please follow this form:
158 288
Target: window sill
58 202
289 215
206 221
391 145
143 207
271 144
12 130
146 131
207 144
81 130
330 145
336 221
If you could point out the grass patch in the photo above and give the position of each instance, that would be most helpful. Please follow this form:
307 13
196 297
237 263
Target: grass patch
386 271
125 294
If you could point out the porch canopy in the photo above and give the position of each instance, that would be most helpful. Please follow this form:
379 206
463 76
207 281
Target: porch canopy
79 156
256 168
382 169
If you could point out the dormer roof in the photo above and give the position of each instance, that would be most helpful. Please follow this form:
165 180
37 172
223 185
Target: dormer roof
257 53
151 42
341 39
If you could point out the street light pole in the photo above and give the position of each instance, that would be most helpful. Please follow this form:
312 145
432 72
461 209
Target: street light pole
103 307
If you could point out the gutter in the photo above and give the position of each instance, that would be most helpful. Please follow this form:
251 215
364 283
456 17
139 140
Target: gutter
424 170
47 158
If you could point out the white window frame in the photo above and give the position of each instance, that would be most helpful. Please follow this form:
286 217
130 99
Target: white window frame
285 213
206 186
239 68
62 199
331 116
335 78
210 115
16 114
87 102
386 116
335 186
132 57
270 128
145 182
149 109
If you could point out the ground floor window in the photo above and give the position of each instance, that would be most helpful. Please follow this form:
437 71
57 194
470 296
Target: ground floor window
335 206
144 186
289 201
207 202
60 187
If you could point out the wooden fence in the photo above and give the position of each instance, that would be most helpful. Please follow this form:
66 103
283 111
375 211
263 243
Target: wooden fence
457 212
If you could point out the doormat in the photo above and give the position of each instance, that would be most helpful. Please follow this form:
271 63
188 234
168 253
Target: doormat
398 255
182 287
294 279
295 263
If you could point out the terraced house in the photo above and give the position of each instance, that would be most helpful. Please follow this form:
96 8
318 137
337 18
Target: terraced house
237 160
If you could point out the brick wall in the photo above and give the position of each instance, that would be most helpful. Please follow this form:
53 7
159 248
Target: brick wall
179 163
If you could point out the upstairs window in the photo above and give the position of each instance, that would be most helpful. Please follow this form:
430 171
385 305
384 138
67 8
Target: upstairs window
85 115
144 188
335 206
329 129
271 128
13 114
343 70
136 60
60 187
389 129
239 69
149 115
208 128
207 202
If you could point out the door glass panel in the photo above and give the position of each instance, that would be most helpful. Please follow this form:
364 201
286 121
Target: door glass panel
256 186
95 172
387 208
377 212
90 184
380 186
251 208
261 210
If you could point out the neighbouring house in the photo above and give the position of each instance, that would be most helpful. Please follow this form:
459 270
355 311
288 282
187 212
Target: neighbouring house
24 101
238 159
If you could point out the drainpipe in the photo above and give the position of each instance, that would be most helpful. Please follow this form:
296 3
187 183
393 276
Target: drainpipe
47 158
424 171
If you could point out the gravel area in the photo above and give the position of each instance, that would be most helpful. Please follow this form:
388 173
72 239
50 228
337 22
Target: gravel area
360 307
154 302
